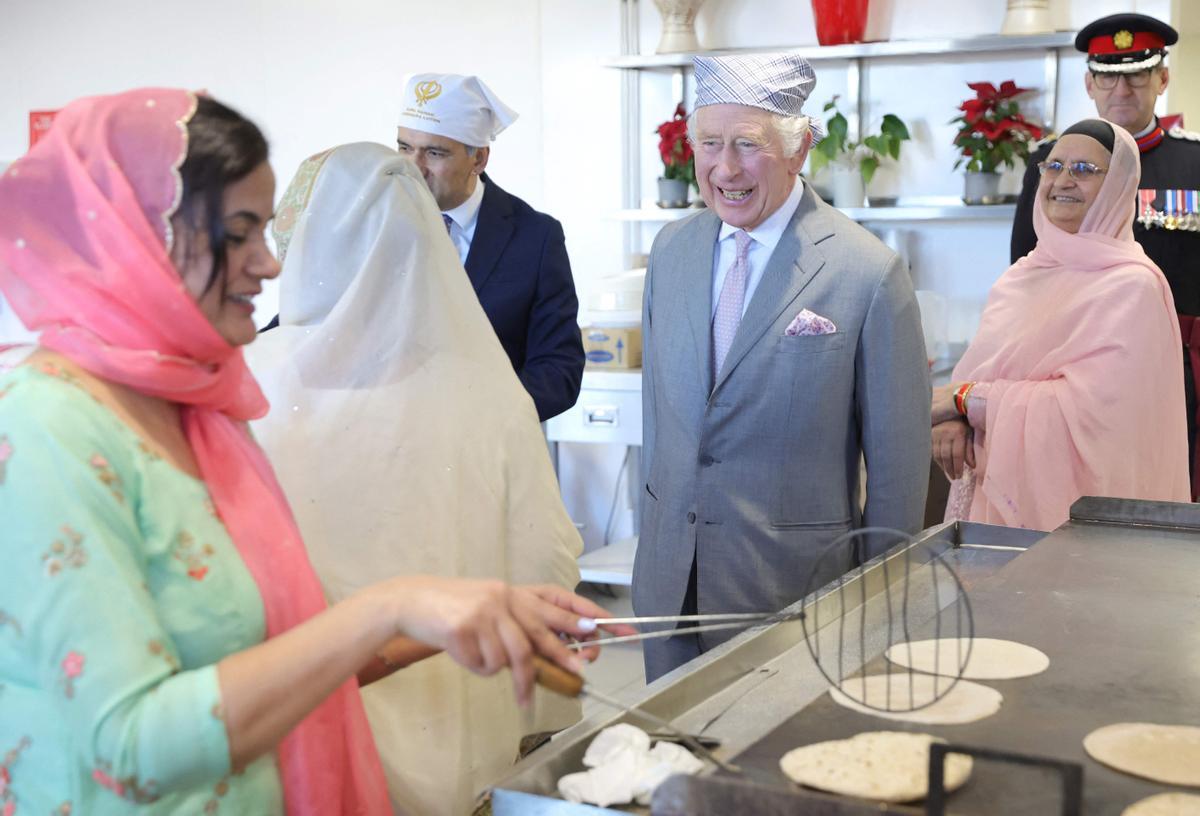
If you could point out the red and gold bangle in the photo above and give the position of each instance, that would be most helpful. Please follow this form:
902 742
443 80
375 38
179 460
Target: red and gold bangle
960 398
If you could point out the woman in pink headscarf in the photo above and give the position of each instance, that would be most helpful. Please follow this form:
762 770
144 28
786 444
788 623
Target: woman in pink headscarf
164 644
1072 386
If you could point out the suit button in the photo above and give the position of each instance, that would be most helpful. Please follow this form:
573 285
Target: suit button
691 518
706 460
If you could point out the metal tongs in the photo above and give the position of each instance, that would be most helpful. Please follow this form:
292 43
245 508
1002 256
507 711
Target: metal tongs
705 623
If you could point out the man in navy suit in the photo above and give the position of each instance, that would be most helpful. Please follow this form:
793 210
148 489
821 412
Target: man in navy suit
515 256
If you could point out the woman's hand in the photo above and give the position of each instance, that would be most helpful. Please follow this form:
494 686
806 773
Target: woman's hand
484 625
487 625
953 446
942 408
591 616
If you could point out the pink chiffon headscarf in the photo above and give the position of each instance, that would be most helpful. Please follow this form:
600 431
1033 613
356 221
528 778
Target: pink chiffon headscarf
85 237
1081 349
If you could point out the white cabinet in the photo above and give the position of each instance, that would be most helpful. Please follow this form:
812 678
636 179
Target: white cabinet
608 412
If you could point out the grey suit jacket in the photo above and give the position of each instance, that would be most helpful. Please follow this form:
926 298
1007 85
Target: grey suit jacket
755 474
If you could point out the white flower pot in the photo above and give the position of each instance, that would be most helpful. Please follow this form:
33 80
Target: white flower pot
1027 17
672 193
981 188
678 25
848 188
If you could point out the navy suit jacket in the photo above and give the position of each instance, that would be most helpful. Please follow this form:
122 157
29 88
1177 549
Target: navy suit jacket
519 269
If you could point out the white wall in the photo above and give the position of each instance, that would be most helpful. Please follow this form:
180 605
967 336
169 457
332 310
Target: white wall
312 73
1185 60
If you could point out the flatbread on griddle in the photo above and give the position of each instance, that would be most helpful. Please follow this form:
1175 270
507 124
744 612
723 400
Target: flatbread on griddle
989 658
918 698
887 766
1163 753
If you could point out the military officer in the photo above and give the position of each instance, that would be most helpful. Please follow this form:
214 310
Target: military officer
1126 73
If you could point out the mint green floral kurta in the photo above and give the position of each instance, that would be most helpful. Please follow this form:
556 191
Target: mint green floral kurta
120 590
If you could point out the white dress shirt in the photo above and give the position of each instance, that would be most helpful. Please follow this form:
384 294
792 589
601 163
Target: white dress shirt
766 236
465 217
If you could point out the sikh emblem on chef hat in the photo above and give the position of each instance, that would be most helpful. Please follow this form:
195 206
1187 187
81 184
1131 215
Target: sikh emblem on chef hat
1123 39
425 91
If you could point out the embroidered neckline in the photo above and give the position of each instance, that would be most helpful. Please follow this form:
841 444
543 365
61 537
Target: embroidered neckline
54 371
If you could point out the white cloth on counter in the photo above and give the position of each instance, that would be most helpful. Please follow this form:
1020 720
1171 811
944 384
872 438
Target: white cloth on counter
624 768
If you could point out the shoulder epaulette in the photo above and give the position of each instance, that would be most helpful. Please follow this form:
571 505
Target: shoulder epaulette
1180 133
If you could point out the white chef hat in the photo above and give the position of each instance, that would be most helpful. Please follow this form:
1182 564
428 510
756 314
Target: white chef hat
458 107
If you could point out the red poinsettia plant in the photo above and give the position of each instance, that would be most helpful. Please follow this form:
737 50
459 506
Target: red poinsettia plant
675 149
992 130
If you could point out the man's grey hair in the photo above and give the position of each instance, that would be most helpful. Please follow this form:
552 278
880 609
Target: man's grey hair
791 130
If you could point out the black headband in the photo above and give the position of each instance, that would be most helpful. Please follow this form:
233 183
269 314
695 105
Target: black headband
1101 131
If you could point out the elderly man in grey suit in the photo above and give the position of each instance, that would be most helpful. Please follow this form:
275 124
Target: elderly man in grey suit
782 341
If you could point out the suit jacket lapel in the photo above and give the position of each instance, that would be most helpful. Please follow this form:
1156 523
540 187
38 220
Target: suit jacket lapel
492 233
791 267
695 266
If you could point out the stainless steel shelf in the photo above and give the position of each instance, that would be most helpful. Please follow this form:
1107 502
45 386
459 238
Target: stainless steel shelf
933 210
953 212
891 48
652 214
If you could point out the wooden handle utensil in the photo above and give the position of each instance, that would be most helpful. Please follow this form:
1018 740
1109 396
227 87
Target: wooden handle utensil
556 679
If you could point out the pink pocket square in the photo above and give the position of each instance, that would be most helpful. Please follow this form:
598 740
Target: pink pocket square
807 324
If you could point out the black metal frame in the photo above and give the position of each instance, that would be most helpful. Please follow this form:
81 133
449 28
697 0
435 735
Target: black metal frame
918 560
1071 774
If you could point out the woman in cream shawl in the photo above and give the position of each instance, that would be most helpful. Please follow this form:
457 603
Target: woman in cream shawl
1075 374
406 444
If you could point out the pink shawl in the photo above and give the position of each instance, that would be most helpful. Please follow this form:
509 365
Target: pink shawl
84 258
1081 346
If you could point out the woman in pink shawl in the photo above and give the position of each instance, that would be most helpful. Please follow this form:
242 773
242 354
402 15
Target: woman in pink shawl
164 643
1072 386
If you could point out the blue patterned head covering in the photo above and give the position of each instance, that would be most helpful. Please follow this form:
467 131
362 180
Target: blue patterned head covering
778 83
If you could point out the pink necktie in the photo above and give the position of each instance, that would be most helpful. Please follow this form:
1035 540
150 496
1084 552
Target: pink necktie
729 304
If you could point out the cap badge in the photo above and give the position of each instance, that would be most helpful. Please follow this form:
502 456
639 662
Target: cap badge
426 91
1123 39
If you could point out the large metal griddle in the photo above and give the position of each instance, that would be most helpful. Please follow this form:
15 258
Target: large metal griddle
1113 597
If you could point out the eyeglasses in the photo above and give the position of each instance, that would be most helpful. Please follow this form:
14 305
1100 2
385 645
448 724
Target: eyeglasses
1079 170
1106 81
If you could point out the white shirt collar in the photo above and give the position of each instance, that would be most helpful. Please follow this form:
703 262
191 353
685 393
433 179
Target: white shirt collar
771 230
465 214
1146 130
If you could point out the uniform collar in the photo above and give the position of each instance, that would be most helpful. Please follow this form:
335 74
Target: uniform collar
1151 137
